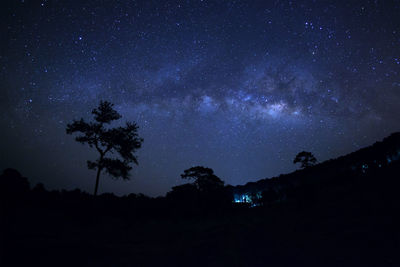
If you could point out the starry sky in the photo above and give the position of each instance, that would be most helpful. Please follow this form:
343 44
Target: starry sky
237 86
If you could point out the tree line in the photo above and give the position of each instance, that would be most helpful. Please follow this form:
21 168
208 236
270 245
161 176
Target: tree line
123 142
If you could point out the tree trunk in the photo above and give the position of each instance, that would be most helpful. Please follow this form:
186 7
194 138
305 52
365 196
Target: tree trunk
97 181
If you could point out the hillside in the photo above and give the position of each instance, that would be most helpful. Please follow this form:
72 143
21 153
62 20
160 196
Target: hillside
361 162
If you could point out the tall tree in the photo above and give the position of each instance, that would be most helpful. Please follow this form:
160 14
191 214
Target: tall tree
306 159
120 141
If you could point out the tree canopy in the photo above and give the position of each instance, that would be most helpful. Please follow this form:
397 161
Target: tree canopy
306 159
204 178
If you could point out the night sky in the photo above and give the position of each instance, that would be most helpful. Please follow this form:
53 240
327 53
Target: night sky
237 86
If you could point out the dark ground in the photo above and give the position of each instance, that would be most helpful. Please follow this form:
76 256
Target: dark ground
353 221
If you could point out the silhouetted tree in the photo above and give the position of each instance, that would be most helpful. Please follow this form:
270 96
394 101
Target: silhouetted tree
123 141
206 194
306 159
205 179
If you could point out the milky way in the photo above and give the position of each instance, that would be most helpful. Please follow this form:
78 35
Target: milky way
238 86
